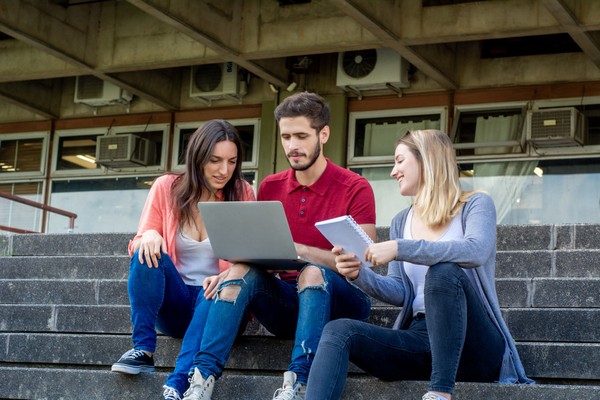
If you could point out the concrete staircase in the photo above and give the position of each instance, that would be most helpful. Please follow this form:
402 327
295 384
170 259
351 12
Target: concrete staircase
64 319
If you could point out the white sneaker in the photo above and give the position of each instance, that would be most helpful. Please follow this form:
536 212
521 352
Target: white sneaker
433 396
170 393
290 389
200 388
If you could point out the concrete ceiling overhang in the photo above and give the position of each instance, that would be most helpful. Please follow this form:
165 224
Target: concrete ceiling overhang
71 38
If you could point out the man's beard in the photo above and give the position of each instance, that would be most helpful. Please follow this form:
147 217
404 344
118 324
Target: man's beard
310 162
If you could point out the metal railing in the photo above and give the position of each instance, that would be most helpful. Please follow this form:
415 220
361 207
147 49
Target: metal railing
41 206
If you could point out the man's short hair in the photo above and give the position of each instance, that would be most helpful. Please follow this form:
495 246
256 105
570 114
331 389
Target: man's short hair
305 104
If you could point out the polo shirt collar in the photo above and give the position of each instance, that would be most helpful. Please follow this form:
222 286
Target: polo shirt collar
320 186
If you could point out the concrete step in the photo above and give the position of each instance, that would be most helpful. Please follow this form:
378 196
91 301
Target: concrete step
61 291
549 292
510 237
576 263
70 244
91 384
65 267
520 292
554 324
525 324
574 361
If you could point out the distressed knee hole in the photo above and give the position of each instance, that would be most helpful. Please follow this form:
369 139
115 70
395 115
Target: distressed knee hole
230 292
311 276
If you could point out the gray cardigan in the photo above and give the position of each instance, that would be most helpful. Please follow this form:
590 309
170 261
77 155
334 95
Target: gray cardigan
475 252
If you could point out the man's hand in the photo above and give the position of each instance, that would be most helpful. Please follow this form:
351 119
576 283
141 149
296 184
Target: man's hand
347 264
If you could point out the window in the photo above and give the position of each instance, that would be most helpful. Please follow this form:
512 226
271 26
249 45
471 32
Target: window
551 191
102 205
247 128
485 130
22 155
77 152
373 134
22 216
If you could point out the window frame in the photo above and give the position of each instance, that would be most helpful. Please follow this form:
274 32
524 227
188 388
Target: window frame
353 117
41 172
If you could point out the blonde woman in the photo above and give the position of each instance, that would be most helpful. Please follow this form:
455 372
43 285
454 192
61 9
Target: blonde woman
441 271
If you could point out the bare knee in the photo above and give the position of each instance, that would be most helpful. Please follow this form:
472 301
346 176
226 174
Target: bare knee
231 286
310 276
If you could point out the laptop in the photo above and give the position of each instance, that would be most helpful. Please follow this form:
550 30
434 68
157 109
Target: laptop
252 232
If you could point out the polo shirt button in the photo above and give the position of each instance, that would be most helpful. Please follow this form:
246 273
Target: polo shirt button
303 200
301 212
305 189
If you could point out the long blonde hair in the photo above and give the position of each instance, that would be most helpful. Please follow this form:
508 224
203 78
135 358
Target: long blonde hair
439 197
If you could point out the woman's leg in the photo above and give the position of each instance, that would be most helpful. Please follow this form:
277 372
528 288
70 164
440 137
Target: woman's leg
464 340
178 379
386 353
159 300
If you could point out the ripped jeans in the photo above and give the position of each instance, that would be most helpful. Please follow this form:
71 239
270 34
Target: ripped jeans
282 310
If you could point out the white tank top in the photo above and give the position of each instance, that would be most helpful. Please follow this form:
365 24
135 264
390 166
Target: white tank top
195 260
415 272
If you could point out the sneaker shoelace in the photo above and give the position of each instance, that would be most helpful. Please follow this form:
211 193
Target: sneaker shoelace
170 393
289 393
133 354
197 389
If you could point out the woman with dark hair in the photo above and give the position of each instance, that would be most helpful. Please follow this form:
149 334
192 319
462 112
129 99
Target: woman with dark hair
173 272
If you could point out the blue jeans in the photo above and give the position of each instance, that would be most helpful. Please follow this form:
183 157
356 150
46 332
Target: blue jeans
456 339
161 300
282 310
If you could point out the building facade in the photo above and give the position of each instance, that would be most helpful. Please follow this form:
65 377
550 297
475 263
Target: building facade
97 98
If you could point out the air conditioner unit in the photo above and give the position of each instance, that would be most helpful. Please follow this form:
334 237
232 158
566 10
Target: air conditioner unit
127 150
96 93
213 81
556 127
371 69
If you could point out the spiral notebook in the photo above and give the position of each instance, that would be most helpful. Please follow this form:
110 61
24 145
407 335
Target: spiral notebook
345 232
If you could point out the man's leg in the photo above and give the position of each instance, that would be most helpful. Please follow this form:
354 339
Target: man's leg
324 295
273 302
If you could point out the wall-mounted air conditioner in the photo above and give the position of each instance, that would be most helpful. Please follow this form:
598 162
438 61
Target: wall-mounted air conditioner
96 93
213 81
127 150
371 69
556 127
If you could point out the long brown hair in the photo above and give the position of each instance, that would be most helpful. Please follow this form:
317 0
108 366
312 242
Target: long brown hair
191 183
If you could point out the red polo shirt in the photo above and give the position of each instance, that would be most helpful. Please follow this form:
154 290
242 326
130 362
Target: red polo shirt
337 192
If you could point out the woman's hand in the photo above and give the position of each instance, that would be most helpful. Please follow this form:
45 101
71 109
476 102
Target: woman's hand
382 253
211 285
150 246
346 264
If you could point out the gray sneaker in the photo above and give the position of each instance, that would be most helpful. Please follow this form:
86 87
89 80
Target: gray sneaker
200 388
291 390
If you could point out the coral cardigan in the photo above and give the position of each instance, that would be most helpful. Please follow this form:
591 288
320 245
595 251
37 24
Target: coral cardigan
158 215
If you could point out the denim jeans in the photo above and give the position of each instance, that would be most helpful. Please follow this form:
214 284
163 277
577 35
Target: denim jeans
456 339
284 311
161 300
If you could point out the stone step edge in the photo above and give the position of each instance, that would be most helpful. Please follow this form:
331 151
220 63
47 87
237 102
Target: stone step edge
107 384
